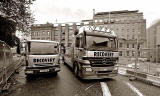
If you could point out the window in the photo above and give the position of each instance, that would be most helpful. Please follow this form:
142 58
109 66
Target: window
48 33
127 45
43 38
120 53
32 34
132 45
63 32
133 30
139 53
120 45
43 33
63 38
133 37
127 53
133 53
48 38
39 34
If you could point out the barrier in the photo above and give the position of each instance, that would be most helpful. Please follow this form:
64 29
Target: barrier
122 70
144 77
6 66
154 79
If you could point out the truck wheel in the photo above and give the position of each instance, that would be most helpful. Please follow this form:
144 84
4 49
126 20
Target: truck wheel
76 70
55 73
29 77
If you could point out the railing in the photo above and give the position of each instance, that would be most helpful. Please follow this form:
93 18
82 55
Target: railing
6 66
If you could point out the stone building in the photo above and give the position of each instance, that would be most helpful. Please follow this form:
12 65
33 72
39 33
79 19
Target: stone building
43 32
128 25
153 42
62 32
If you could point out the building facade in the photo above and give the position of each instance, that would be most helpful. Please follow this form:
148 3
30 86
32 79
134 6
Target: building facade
129 26
42 32
153 42
62 33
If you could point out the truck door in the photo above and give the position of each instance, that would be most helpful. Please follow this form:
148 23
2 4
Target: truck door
79 48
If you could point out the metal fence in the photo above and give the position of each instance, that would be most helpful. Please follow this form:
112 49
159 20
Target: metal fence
149 63
6 66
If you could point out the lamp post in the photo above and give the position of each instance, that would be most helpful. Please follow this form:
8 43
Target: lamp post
136 60
157 53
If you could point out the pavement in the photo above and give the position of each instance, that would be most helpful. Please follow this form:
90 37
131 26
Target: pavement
66 84
17 59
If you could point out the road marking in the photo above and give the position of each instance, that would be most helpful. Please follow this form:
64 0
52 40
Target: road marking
105 89
88 87
134 89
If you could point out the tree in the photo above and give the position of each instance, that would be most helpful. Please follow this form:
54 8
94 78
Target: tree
19 12
14 15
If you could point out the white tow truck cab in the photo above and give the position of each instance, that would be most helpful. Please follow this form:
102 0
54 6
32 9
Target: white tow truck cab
93 53
42 56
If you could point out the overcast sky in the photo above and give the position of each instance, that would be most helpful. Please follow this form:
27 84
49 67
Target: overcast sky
77 10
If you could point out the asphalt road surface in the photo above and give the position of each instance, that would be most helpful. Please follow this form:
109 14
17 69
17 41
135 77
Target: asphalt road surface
66 84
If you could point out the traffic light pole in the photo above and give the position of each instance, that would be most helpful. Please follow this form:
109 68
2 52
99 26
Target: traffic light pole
136 61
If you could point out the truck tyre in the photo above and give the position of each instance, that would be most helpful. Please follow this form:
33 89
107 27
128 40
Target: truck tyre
76 70
55 73
29 77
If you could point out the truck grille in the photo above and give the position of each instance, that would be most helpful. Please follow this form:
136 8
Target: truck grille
102 62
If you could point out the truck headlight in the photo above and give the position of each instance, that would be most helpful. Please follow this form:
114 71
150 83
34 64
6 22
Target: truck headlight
86 61
88 69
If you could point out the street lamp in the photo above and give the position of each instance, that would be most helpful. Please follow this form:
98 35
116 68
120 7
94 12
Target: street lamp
136 60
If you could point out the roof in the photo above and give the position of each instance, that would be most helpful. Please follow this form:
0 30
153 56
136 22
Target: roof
43 41
97 31
116 12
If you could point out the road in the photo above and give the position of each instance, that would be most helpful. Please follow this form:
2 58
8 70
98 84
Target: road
66 84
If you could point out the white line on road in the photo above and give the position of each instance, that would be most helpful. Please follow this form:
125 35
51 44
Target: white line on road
88 87
105 89
134 89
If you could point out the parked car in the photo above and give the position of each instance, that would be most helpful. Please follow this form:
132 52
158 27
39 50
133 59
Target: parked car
142 59
132 65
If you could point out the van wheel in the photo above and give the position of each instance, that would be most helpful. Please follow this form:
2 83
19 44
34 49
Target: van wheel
76 70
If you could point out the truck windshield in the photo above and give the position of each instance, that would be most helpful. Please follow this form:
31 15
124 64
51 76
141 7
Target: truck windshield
95 43
43 48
